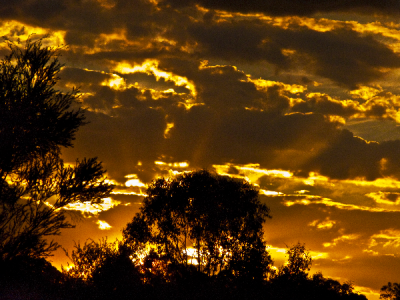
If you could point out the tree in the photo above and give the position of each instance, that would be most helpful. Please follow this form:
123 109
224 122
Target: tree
299 263
391 291
88 258
36 121
29 278
104 268
204 219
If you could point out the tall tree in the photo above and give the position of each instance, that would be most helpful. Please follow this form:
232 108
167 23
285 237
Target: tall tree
36 121
213 221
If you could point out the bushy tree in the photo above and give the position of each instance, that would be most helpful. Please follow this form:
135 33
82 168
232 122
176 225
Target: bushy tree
292 281
103 268
391 291
86 259
36 121
201 218
299 263
333 286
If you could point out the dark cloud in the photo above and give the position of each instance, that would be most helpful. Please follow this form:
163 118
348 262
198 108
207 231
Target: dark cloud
342 55
323 104
82 78
352 157
239 40
347 156
85 20
223 87
292 7
222 130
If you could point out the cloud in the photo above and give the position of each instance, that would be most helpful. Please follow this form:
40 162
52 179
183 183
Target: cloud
89 209
344 238
349 54
291 7
323 225
340 54
103 225
326 105
236 115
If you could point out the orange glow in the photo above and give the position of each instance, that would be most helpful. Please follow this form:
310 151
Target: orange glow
251 171
133 181
390 238
329 202
108 4
103 225
115 82
175 165
167 130
366 92
262 84
326 224
94 209
150 66
343 238
56 37
383 198
270 193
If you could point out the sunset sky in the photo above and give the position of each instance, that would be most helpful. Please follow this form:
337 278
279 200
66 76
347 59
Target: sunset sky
300 97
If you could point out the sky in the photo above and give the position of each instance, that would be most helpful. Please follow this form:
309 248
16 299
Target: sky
299 97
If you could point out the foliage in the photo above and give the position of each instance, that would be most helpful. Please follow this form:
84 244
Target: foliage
347 288
218 218
299 263
104 268
292 281
29 278
87 258
391 291
36 120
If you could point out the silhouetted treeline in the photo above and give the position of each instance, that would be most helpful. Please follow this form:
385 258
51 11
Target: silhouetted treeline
103 271
117 278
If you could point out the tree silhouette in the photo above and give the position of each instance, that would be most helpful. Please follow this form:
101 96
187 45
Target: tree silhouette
36 120
391 291
103 268
86 259
203 219
293 282
299 263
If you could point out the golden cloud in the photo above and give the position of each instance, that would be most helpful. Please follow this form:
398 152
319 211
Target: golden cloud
309 200
250 172
116 82
103 225
341 239
151 67
263 85
93 209
366 92
16 30
387 238
325 224
387 198
133 180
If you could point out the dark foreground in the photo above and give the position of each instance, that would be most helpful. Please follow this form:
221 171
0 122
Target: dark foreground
38 279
